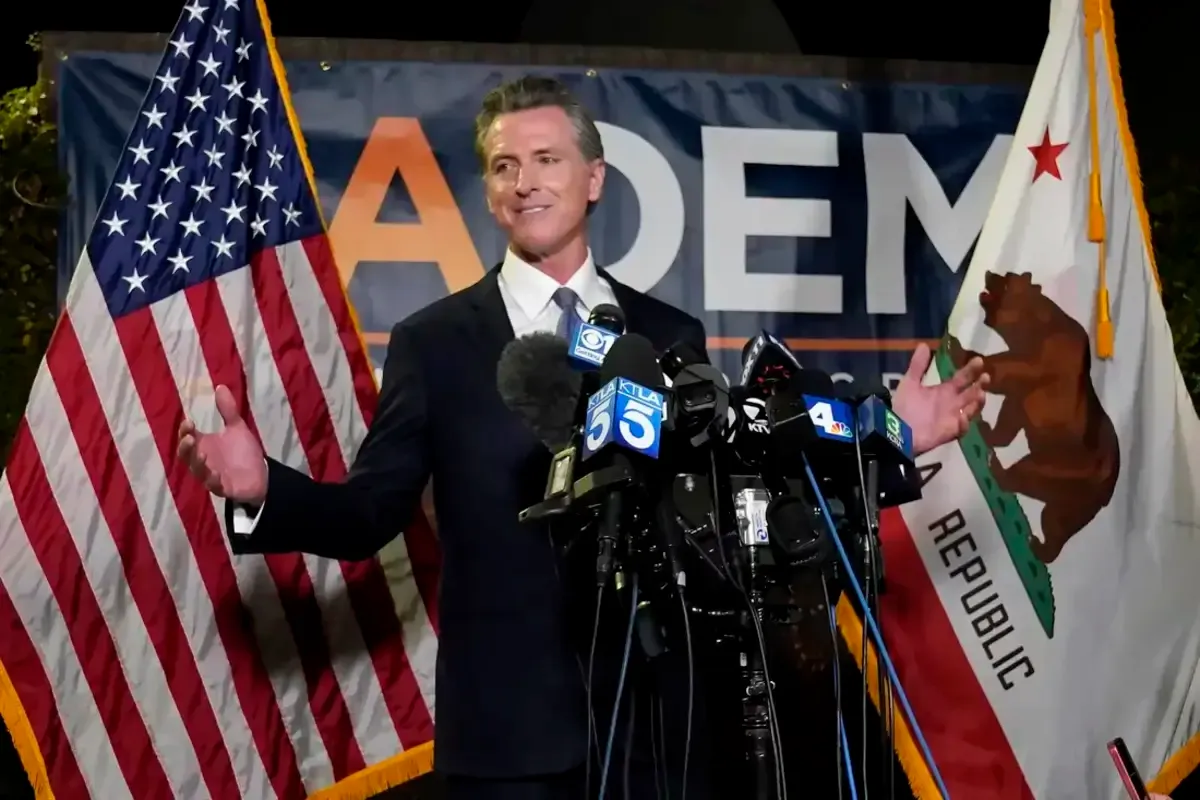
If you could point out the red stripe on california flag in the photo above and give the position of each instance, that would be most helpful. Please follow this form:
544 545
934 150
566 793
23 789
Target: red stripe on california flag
144 575
367 586
28 678
424 551
51 542
155 385
289 572
962 730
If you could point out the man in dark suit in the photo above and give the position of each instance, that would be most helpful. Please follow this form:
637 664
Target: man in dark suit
512 721
511 717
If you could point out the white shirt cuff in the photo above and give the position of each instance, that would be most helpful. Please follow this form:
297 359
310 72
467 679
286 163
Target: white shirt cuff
245 519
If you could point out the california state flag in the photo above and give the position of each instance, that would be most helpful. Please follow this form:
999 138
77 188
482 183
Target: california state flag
1044 596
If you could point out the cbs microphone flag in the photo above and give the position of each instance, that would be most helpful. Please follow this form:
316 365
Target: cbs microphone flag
138 658
1042 597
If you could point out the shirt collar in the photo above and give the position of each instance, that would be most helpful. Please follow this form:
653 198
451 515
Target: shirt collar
533 289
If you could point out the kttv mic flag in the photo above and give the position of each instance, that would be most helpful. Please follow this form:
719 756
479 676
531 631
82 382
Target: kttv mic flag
140 660
1043 597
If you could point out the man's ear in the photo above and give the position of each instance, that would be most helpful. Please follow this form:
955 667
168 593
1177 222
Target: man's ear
596 180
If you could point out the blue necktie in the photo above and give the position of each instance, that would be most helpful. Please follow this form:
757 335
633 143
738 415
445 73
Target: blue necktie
566 299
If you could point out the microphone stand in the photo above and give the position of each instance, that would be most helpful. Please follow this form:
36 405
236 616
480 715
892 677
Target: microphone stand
873 573
756 711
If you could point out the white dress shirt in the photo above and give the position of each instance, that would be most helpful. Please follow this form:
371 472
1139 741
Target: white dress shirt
528 295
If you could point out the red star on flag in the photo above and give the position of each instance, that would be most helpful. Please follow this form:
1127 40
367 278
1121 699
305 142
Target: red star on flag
1045 156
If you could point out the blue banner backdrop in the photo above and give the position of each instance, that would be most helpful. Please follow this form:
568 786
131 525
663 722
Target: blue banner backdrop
838 215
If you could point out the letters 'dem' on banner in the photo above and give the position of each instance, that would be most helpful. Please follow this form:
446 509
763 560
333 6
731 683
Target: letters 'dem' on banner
837 215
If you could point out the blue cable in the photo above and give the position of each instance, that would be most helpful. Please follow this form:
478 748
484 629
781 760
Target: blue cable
884 656
612 727
846 757
837 680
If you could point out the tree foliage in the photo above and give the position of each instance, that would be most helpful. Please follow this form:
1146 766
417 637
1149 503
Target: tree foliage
31 195
1173 199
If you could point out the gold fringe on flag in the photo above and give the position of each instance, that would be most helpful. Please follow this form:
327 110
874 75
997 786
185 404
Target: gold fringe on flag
1184 761
1131 157
380 777
920 780
23 738
1096 226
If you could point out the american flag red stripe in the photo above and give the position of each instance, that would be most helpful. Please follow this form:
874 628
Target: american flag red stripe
154 383
150 662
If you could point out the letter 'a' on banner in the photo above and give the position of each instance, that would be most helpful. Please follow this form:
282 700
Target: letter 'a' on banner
1042 598
138 659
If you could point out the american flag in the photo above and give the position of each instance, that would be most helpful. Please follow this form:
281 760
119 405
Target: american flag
147 661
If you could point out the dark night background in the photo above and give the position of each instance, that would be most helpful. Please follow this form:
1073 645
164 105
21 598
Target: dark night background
1155 43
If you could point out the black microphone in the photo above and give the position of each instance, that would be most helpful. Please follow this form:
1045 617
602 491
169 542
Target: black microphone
609 317
622 428
700 394
854 395
886 444
679 355
767 363
805 416
538 384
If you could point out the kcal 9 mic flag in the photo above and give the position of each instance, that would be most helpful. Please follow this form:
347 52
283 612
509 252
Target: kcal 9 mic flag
1042 597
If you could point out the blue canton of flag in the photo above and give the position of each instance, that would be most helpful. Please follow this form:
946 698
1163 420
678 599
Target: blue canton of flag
211 173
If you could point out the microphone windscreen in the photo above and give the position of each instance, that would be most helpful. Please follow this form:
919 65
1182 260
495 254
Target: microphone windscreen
609 317
537 383
632 357
812 382
679 355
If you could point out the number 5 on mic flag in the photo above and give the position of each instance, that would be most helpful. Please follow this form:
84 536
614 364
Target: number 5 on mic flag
626 414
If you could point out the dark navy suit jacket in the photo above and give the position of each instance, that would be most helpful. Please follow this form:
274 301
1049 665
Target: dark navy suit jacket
510 696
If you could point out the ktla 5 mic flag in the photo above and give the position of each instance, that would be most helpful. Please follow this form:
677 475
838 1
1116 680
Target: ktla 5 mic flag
1042 597
139 659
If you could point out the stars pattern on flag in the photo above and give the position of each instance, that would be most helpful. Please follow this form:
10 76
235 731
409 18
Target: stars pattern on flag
211 173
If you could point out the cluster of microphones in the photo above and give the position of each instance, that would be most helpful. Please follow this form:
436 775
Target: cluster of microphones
623 421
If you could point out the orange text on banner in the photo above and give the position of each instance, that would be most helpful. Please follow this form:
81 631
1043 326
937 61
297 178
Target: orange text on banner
397 144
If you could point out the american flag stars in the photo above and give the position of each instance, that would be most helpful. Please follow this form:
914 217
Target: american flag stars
211 173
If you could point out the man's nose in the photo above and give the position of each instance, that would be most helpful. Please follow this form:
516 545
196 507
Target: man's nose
526 181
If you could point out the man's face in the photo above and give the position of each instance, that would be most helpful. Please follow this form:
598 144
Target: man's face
538 182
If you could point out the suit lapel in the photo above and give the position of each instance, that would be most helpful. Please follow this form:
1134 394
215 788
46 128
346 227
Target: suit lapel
630 301
490 327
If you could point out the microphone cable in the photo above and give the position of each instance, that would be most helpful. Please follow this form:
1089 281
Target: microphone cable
612 727
591 728
840 740
869 618
658 733
691 702
869 557
887 712
629 743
